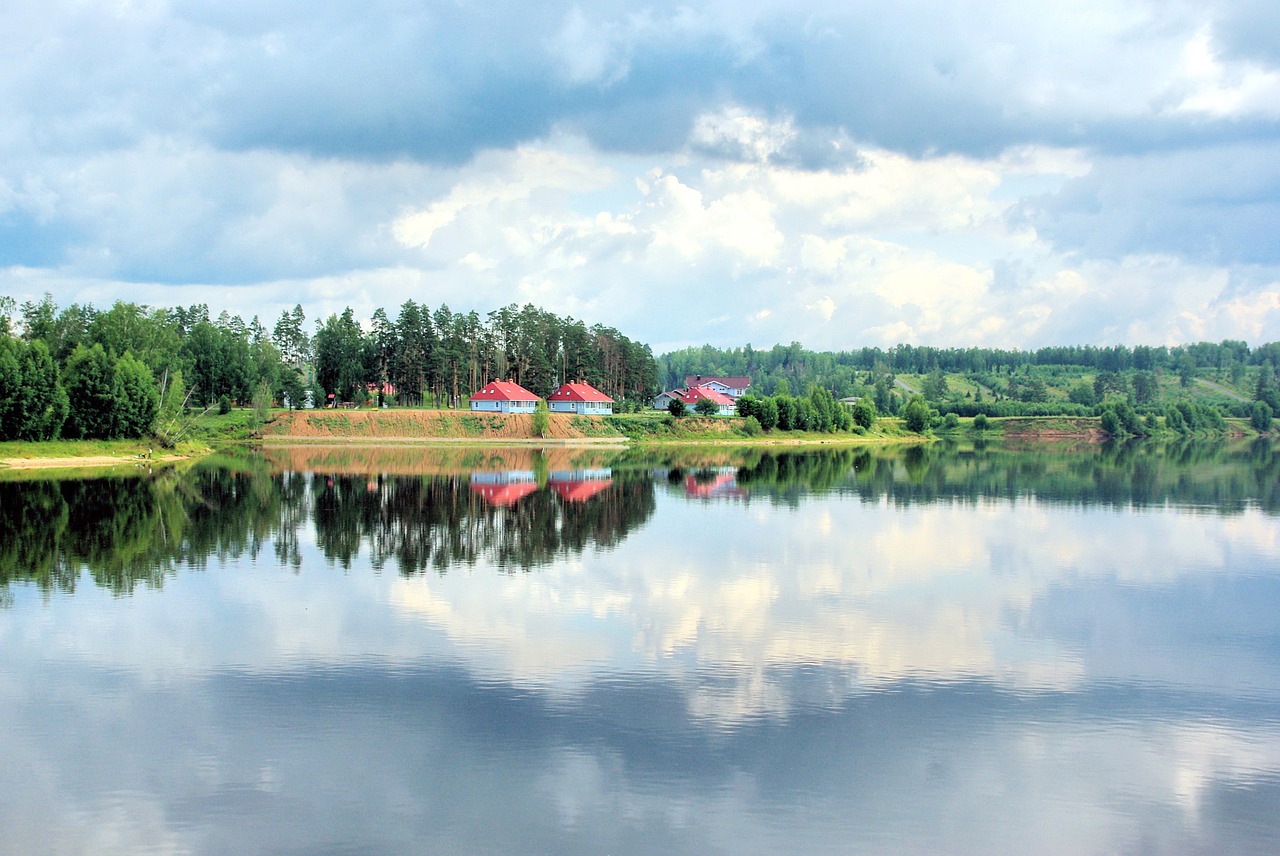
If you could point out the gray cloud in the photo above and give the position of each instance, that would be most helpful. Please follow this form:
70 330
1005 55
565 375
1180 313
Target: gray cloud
1217 205
397 80
238 143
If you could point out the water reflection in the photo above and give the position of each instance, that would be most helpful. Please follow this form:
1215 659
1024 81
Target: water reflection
930 650
522 508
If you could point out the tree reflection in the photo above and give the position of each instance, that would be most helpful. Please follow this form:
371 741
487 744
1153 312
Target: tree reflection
1225 478
436 522
130 530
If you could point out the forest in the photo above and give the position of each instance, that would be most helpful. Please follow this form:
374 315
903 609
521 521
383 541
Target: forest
1201 381
82 372
133 370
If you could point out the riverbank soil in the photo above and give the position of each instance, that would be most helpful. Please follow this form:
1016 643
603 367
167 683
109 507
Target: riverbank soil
314 425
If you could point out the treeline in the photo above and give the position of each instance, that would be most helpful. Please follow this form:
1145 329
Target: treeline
838 371
439 358
817 410
81 372
1057 381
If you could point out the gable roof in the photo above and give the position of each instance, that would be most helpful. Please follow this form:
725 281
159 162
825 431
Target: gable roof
730 382
503 390
579 392
691 396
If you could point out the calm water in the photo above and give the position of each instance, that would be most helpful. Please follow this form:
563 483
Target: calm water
940 650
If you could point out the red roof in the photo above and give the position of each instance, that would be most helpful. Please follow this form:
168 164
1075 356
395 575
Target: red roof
503 390
578 392
691 396
504 494
580 491
731 382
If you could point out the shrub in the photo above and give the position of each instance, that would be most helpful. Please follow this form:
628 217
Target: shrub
1260 416
916 415
224 405
541 419
864 412
751 426
706 407
1110 422
980 422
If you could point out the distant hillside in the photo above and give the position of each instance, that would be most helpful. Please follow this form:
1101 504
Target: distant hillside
1228 375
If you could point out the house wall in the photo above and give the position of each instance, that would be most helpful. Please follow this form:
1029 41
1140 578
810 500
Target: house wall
493 405
661 402
588 408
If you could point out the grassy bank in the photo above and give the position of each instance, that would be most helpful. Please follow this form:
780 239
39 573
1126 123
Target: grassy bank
201 434
661 428
412 425
197 439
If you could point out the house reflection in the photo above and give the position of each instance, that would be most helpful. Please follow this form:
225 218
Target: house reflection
717 483
580 485
505 488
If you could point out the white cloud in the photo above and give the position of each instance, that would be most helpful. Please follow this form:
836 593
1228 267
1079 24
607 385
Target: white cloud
990 171
1237 89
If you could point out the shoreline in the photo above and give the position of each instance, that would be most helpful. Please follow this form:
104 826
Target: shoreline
87 461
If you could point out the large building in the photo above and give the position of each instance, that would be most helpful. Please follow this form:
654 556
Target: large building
734 387
580 397
504 396
725 406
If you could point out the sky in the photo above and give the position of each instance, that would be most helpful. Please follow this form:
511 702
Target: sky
842 174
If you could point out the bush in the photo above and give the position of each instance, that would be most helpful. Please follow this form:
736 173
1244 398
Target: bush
706 407
950 422
864 412
980 422
916 415
541 419
224 405
1110 422
751 426
767 413
676 408
1260 416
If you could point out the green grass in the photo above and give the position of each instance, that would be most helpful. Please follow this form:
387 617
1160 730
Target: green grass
73 448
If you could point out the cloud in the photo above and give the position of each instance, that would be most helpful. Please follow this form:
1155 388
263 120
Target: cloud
1215 205
983 169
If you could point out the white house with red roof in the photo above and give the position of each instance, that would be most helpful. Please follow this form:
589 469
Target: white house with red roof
725 406
580 397
734 387
503 396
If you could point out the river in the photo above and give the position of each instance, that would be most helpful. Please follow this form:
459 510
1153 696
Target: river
951 648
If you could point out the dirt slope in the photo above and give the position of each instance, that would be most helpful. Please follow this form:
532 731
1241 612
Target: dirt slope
428 424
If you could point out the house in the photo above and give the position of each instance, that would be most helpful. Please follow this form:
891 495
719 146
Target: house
503 396
580 397
663 401
734 387
725 406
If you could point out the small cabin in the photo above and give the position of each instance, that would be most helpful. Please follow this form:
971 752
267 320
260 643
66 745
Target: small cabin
580 397
503 396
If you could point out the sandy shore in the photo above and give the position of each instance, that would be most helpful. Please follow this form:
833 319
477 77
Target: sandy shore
84 461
